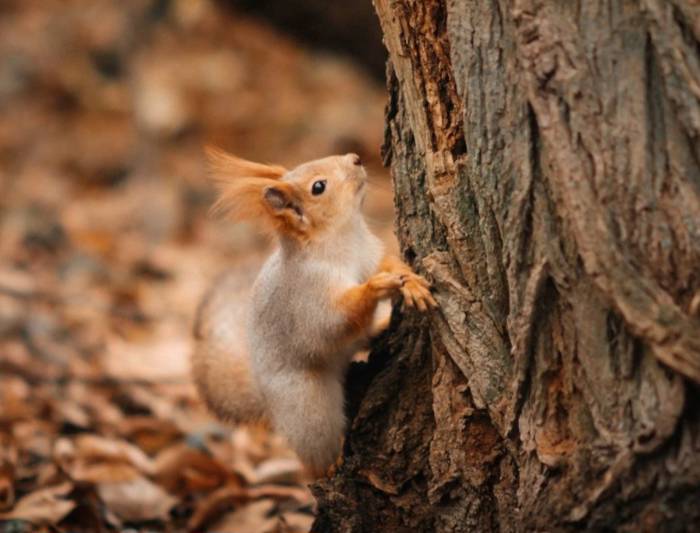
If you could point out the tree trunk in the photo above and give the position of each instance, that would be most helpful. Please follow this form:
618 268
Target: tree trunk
546 163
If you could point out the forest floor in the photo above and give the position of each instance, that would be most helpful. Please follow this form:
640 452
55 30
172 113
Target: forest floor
106 245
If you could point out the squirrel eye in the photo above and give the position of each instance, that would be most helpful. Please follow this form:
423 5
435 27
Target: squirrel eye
318 187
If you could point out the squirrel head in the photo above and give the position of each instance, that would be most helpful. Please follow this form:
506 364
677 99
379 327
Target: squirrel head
310 200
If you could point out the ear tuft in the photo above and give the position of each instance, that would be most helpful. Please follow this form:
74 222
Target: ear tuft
224 166
274 205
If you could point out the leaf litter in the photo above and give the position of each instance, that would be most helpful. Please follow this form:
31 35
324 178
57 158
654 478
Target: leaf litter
106 246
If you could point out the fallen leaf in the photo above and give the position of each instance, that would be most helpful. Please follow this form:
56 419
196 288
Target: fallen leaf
72 413
254 517
8 461
297 522
181 468
149 433
44 506
136 500
215 504
279 470
14 395
299 493
161 359
95 447
89 450
17 282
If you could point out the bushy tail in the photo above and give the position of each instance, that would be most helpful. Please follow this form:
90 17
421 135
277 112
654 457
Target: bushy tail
220 360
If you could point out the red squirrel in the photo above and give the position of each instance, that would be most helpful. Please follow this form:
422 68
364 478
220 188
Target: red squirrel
312 305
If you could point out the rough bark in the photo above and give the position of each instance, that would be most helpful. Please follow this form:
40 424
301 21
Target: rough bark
546 162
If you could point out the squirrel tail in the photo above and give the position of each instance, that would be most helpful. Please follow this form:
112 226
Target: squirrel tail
225 384
220 360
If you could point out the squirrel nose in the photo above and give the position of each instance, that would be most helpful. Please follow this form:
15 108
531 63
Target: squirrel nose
355 159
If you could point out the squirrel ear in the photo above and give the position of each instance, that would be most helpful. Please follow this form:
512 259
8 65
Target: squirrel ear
273 204
224 166
275 198
281 199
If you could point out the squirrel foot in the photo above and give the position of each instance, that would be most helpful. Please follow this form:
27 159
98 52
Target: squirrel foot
385 283
416 292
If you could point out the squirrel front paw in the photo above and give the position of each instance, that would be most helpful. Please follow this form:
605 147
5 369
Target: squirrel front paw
414 288
416 292
386 283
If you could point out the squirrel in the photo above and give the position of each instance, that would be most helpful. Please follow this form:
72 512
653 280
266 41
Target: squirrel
311 308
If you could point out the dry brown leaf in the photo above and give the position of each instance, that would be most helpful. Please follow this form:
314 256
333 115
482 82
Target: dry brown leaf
297 522
72 413
182 468
252 442
102 472
254 517
44 506
136 500
161 406
8 462
88 450
162 359
236 456
14 394
279 470
104 412
215 504
95 400
17 282
149 433
102 448
33 436
299 493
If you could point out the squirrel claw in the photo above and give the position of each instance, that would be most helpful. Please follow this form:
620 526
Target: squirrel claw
416 293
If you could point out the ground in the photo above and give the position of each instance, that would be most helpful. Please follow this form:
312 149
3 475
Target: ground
106 245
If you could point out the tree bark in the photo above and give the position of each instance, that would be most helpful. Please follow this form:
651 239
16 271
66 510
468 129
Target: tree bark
546 163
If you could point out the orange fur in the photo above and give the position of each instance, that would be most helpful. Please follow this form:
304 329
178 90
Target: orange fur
244 199
294 211
415 290
225 383
392 263
359 303
225 166
220 366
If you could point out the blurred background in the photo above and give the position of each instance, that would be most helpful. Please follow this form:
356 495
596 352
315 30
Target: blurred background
106 244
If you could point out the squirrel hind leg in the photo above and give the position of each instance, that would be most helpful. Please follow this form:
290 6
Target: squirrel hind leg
309 413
